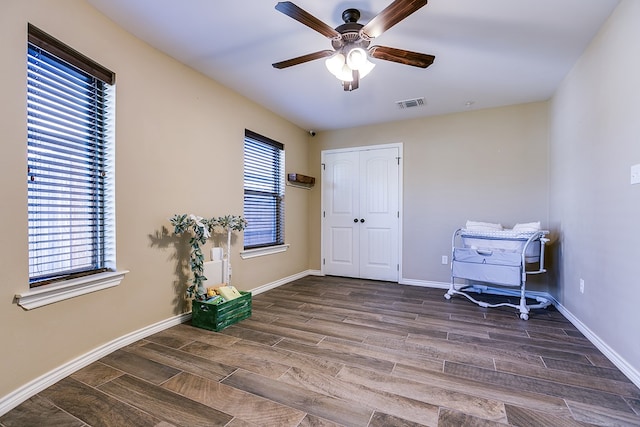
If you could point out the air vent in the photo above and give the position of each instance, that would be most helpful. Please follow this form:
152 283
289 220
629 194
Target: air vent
410 103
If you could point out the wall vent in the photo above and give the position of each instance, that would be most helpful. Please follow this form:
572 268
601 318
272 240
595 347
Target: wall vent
410 103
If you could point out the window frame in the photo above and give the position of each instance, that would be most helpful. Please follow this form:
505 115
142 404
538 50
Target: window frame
274 191
60 57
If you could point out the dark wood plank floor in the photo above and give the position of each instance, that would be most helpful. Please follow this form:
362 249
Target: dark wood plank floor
327 351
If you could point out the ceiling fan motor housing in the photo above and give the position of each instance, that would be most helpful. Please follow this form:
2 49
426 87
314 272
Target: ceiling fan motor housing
350 32
351 15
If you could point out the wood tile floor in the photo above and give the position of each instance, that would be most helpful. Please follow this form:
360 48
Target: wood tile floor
328 351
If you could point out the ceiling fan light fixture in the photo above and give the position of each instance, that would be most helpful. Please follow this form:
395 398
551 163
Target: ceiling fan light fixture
335 63
345 74
356 58
366 68
342 67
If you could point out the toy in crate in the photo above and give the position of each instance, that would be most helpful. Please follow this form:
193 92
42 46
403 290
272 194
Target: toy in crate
224 307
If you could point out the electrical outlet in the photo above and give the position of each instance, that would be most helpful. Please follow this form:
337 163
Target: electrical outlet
582 286
445 259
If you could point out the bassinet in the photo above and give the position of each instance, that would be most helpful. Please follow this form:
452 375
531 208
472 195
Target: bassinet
497 257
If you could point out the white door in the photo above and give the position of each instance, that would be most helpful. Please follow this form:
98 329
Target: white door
361 218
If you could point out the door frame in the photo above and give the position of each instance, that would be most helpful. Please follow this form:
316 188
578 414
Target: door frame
399 146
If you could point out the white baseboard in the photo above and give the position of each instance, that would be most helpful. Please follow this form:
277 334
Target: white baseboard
624 366
423 283
284 281
34 387
629 371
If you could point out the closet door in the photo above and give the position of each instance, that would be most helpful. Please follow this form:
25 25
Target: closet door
379 208
341 214
360 191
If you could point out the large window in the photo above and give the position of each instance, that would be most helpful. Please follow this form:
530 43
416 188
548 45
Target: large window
263 191
70 109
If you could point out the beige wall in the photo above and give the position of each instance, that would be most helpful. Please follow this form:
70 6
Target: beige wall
595 138
485 165
179 142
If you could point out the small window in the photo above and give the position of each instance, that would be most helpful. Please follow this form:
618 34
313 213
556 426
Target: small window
263 191
70 177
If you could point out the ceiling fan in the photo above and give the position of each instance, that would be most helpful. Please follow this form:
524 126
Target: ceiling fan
348 60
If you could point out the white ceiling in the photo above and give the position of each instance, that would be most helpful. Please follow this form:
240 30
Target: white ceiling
488 52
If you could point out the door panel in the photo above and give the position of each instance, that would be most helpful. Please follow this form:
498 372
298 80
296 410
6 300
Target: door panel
379 208
341 245
376 253
341 207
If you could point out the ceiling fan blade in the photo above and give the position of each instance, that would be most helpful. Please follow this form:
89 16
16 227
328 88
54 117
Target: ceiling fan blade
304 17
302 59
394 13
401 56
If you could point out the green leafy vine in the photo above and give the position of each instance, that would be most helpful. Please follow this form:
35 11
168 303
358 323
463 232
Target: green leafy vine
201 229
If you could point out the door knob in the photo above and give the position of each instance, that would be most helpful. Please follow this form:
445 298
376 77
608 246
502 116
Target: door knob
361 219
355 219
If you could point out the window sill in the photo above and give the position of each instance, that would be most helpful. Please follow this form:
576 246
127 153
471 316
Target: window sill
252 253
49 294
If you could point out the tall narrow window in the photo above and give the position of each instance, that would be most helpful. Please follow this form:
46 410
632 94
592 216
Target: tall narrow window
70 182
263 191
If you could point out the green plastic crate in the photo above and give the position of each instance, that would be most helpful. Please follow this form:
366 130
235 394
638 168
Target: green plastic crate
216 317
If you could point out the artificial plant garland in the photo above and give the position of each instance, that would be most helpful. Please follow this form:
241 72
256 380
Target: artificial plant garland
201 229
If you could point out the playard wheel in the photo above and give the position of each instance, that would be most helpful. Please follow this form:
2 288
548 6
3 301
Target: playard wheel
524 316
447 296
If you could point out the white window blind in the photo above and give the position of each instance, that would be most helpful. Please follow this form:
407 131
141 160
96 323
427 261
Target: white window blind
70 166
263 191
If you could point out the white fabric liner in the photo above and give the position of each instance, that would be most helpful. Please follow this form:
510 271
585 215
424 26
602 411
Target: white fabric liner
502 240
499 267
